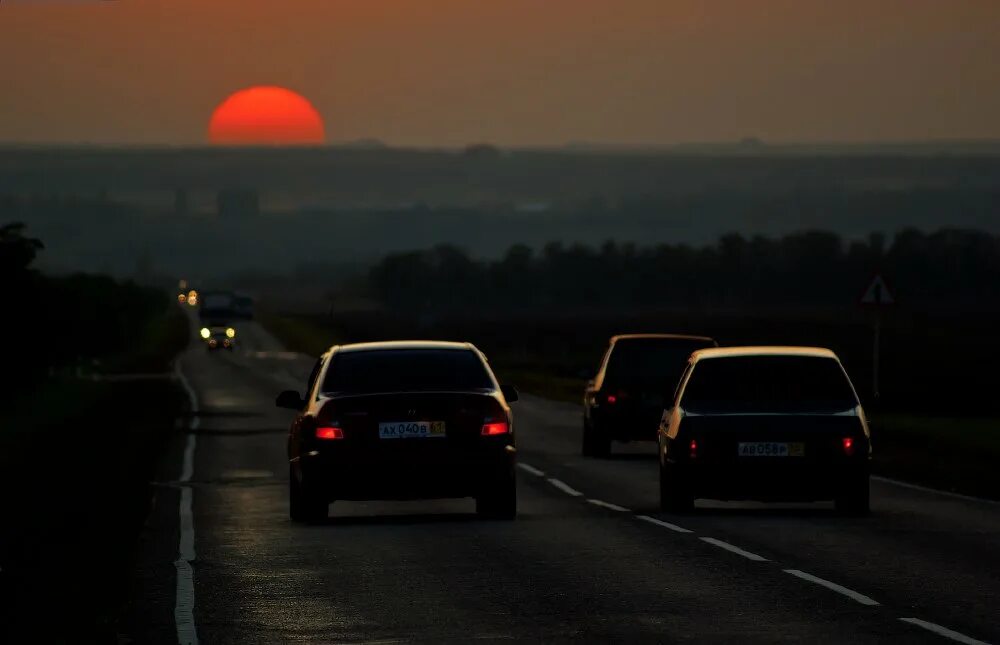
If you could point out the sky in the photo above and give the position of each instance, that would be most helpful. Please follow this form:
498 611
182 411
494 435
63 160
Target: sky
510 72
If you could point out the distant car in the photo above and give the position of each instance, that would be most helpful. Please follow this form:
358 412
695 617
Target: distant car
401 420
638 373
768 424
219 337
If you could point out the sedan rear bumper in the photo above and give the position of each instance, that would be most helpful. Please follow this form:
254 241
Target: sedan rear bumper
359 475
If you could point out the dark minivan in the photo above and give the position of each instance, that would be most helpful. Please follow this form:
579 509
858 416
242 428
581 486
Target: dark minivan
638 374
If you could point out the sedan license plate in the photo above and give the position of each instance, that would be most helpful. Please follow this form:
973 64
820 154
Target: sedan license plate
411 430
770 449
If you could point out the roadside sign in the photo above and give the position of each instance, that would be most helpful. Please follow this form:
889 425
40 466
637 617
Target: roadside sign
878 294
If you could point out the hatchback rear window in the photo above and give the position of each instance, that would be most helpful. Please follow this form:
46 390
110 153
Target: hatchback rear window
653 363
768 384
406 370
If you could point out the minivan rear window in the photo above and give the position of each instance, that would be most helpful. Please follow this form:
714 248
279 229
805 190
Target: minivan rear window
762 384
401 370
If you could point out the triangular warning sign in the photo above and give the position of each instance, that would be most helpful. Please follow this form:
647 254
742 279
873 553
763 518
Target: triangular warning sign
877 293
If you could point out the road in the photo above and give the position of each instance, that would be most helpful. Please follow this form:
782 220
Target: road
589 558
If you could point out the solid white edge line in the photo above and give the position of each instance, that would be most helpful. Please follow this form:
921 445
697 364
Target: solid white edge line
530 469
833 586
666 525
608 505
734 549
192 396
187 631
934 491
943 631
564 487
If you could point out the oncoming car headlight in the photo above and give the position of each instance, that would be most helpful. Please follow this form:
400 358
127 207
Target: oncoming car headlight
205 333
230 332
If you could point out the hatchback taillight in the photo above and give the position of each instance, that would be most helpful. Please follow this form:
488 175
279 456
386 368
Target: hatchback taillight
493 428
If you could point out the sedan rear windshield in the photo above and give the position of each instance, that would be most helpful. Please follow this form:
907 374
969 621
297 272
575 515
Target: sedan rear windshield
762 384
401 370
650 364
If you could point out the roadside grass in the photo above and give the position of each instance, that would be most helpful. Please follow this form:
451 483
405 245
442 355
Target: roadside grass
948 453
542 358
299 333
77 457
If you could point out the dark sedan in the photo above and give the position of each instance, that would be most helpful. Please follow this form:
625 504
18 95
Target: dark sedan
401 420
768 424
638 374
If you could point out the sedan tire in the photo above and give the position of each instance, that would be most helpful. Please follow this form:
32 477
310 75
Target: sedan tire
855 498
499 500
303 504
675 492
595 442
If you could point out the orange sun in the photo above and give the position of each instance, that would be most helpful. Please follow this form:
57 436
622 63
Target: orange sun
266 115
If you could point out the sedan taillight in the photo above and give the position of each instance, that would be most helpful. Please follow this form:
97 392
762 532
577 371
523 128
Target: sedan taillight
329 432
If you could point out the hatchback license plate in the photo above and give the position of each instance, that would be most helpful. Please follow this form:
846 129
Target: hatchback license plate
770 449
411 430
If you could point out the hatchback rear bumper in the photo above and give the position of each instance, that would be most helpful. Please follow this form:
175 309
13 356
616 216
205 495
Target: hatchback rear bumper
774 481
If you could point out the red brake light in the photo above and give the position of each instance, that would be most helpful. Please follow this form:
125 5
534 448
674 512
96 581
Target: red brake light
611 399
848 444
492 428
694 448
329 432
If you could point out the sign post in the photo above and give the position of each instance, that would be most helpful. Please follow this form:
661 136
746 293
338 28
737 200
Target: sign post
877 296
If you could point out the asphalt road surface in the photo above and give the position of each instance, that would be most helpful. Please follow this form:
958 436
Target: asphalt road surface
590 558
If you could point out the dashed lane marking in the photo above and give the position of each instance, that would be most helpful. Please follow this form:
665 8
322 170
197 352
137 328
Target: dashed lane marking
734 549
531 469
832 586
608 505
564 487
943 631
666 525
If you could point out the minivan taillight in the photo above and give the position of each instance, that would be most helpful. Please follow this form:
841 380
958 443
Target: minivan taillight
329 432
493 428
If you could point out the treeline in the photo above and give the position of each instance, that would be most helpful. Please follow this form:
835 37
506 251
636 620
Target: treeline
53 323
953 267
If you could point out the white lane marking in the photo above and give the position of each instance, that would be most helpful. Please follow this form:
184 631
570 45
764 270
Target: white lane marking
943 631
734 549
608 505
564 487
530 469
192 396
187 631
832 586
934 491
666 525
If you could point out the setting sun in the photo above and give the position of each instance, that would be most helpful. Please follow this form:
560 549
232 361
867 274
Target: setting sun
266 115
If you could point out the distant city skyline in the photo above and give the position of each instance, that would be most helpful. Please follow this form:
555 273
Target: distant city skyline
516 73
